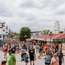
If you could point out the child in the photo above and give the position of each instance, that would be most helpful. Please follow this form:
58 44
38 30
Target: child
32 56
22 55
26 58
3 63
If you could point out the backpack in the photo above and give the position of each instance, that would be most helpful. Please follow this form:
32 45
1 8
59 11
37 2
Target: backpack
48 59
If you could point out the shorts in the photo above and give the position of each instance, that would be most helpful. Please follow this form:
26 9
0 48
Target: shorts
32 58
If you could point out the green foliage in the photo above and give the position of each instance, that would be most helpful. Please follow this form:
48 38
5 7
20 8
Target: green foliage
46 31
58 40
25 33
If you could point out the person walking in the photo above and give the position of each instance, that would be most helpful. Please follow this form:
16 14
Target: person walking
32 56
54 60
60 56
11 59
24 56
48 58
5 49
40 52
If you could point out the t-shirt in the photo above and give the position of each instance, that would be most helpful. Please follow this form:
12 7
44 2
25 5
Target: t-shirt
11 59
32 52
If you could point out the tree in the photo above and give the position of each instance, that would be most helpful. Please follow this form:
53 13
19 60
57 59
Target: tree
46 31
25 33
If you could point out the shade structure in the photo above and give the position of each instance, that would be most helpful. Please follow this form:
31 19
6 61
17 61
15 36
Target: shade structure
59 36
53 36
2 33
43 37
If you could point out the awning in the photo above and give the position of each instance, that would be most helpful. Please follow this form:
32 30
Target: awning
59 36
2 33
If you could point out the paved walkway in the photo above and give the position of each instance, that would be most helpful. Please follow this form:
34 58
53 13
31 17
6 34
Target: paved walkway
37 62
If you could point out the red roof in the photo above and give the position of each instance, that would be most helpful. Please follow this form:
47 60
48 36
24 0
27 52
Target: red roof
56 36
61 36
53 36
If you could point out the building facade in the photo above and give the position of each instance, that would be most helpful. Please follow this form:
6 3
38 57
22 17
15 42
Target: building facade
3 30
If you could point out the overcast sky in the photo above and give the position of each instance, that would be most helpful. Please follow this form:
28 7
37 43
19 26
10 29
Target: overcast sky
36 14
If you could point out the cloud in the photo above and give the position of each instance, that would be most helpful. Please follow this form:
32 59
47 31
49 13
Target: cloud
4 11
36 14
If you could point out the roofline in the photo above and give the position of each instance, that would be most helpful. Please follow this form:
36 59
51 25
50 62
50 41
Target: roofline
35 31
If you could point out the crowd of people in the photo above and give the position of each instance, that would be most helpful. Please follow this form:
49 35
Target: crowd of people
52 54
